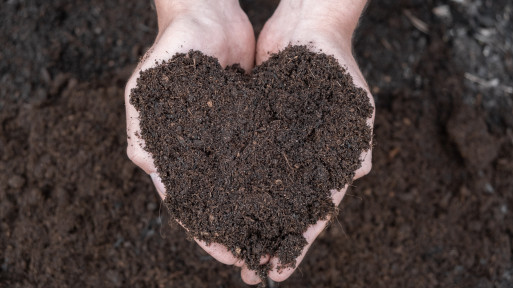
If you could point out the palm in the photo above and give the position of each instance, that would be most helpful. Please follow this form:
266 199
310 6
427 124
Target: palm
230 41
226 35
277 35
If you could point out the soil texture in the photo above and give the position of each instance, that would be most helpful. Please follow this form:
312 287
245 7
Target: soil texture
435 211
248 161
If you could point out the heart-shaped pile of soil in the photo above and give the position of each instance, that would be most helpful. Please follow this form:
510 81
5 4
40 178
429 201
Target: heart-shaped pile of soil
248 161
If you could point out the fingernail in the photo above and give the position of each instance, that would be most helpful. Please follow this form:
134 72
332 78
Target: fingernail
161 189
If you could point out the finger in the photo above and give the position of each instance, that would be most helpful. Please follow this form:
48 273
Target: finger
249 277
218 251
263 260
167 46
359 81
366 156
157 182
279 275
264 50
135 147
264 54
239 263
337 195
135 150
310 235
221 253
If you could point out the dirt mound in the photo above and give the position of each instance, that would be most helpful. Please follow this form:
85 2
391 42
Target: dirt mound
248 161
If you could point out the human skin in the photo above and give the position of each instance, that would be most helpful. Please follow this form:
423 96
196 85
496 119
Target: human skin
324 26
221 29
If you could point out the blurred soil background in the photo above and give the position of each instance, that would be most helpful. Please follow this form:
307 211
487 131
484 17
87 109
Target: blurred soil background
436 210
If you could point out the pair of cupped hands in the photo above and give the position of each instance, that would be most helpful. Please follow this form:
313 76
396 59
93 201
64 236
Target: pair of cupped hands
221 29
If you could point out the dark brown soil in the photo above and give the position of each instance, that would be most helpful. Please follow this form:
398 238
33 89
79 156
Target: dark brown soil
75 212
248 161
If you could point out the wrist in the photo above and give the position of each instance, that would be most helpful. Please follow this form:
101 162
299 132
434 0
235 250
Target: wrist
167 10
345 14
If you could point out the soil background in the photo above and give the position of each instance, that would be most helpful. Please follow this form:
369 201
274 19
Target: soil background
436 210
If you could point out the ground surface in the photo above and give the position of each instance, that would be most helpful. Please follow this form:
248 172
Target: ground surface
436 211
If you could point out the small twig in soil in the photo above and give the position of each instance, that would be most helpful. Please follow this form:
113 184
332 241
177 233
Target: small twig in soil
287 160
488 83
416 22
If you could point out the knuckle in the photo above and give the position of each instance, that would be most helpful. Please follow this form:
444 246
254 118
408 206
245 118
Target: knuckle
134 154
367 168
279 277
364 170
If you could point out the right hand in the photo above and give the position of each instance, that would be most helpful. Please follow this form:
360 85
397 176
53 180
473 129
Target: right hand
217 28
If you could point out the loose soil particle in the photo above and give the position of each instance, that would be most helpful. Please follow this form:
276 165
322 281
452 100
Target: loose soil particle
248 161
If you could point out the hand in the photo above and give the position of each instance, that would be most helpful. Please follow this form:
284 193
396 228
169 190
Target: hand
322 25
217 28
